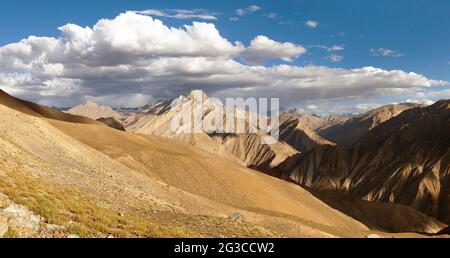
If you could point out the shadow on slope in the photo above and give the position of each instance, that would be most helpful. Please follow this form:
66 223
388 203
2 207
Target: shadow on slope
386 217
36 110
445 231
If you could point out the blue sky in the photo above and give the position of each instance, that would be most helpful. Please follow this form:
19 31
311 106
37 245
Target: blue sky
407 35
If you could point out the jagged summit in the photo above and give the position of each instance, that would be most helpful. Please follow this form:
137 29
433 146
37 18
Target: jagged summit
196 93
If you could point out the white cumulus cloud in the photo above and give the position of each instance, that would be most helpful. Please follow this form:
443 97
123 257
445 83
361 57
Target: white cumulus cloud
312 24
262 48
181 13
134 58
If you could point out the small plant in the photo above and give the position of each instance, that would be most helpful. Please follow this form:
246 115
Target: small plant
11 233
80 214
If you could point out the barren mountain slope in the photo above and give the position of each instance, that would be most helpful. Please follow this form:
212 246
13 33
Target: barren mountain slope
445 231
307 120
94 111
388 217
39 111
112 122
244 148
60 169
297 134
405 160
201 173
333 120
349 132
311 121
145 115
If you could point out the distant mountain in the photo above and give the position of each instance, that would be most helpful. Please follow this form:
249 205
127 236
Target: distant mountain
94 111
405 160
348 132
160 107
244 148
334 120
298 132
304 119
145 114
312 121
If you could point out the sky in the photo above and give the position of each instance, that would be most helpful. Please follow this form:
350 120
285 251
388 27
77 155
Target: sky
339 56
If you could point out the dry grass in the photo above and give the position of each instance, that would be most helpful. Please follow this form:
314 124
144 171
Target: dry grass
77 212
11 233
80 214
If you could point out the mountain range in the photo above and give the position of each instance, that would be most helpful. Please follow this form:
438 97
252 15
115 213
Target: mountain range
93 171
63 175
405 160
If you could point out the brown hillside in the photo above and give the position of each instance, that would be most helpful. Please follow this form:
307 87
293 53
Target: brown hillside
112 122
357 126
38 110
405 160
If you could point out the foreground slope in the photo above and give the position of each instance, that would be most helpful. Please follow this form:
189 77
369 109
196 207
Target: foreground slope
405 160
145 114
36 110
96 181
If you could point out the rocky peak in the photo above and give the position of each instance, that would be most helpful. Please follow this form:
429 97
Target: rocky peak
197 94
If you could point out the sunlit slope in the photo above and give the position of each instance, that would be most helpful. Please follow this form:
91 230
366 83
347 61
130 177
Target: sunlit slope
38 110
204 174
357 126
